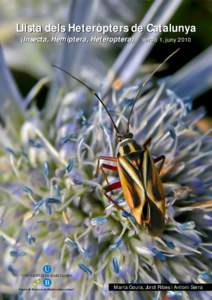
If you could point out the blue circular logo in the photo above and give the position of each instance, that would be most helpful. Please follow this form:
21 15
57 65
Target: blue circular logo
47 268
47 282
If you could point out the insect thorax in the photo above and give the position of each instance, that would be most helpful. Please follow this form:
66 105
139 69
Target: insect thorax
128 146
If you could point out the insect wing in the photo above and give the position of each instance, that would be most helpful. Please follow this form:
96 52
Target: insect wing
131 181
155 194
143 190
152 182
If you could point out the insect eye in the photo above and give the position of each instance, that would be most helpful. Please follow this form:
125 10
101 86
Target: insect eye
119 137
129 135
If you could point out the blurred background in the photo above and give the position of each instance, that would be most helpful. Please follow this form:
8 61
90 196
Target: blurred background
31 61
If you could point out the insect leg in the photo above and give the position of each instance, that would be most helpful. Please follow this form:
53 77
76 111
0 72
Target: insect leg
147 143
113 186
110 188
114 202
160 159
110 167
108 158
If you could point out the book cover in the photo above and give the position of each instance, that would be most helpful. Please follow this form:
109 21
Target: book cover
105 149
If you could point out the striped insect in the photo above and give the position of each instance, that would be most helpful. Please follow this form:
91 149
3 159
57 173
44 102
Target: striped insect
138 171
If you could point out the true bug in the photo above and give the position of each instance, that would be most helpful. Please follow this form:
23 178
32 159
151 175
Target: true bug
138 174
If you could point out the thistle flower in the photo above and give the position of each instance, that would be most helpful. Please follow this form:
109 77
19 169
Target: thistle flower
52 209
61 216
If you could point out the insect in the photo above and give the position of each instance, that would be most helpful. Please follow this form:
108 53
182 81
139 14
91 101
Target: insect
139 173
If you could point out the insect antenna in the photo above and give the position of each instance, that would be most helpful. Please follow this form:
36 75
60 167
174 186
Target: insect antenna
91 91
140 89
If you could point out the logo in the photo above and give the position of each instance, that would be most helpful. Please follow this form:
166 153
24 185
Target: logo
36 282
47 268
47 282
